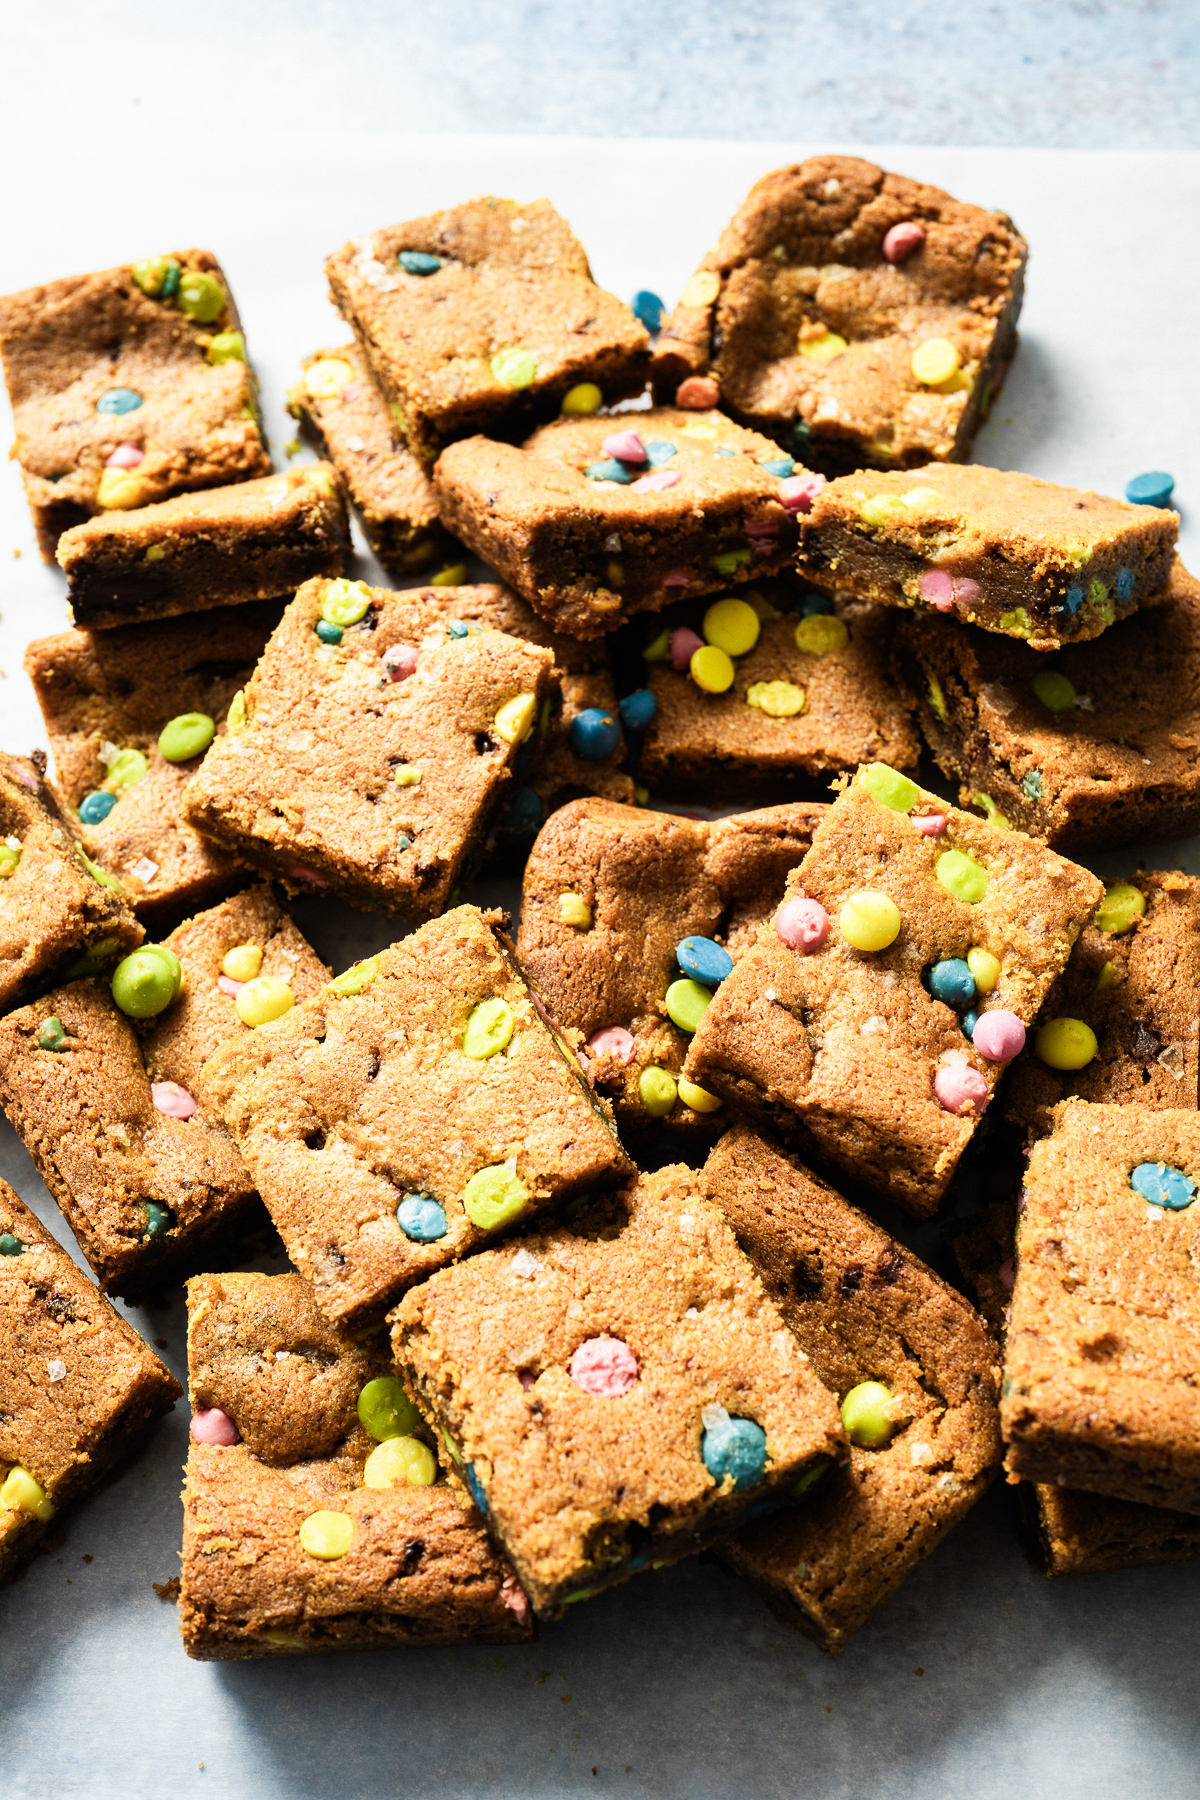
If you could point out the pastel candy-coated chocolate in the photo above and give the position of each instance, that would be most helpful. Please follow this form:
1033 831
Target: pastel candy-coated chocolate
626 446
657 483
638 709
684 644
999 1035
95 807
704 960
421 1218
902 240
125 456
697 393
798 492
803 924
400 662
958 1086
1163 1185
605 1367
612 1041
736 1447
594 734
212 1426
952 982
648 308
609 469
931 824
1152 489
172 1100
119 400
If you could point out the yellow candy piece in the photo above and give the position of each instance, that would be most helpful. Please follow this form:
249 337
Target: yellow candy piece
935 361
985 968
1017 622
869 920
698 1098
821 349
733 626
702 289
235 718
936 698
324 379
489 1029
20 1489
574 910
243 962
358 976
327 1535
657 1091
121 489
821 634
711 669
583 399
1066 1044
514 720
778 699
400 1462
880 509
1106 977
264 999
407 775
452 576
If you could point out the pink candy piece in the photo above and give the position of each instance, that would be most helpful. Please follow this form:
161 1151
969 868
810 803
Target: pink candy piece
351 392
656 483
626 446
301 872
697 393
684 644
513 1596
527 1379
942 590
1006 1274
965 589
171 1099
676 578
959 1087
999 1035
605 1367
760 528
399 662
613 1041
803 924
27 779
229 986
930 824
125 456
902 240
797 492
214 1427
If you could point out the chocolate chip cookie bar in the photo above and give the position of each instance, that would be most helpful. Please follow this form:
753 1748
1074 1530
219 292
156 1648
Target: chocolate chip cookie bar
371 749
859 316
57 907
910 1363
128 386
485 318
404 1116
1093 749
594 519
615 1391
313 1517
1010 553
107 1100
79 1390
630 920
128 714
875 1014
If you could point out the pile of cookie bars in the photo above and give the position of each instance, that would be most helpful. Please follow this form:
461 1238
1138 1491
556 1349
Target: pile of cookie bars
587 1270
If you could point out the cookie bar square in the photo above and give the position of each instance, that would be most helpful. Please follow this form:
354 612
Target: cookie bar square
859 316
594 519
57 908
1010 553
107 698
1133 985
1099 1364
347 420
79 1390
371 748
109 1108
616 1391
256 540
482 318
128 386
620 906
1097 750
811 695
826 1028
905 1355
402 1117
300 1531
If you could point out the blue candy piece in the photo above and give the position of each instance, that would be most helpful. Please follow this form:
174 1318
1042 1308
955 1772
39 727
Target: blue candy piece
658 451
119 400
1075 599
1152 489
419 262
1163 1185
594 734
736 1447
328 632
458 628
403 842
724 452
608 469
801 436
637 709
815 602
476 1488
703 960
635 1562
1125 583
523 815
649 309
421 1218
1032 783
969 1022
952 982
95 807
157 1221
778 465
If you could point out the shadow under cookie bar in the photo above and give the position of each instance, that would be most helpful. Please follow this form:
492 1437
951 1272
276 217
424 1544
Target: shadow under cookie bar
106 697
79 1390
413 1109
614 1391
864 1309
128 386
1094 748
811 312
412 1565
257 540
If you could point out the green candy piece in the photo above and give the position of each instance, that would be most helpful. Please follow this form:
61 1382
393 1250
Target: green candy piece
1120 909
186 736
687 1003
514 368
1054 690
345 602
52 1034
937 698
125 771
864 1415
201 296
358 976
227 346
1017 622
385 1410
158 1222
96 872
93 960
812 1475
157 276
961 876
489 1029
494 1197
889 787
659 648
329 634
658 1091
10 856
10 1244
145 983
728 562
